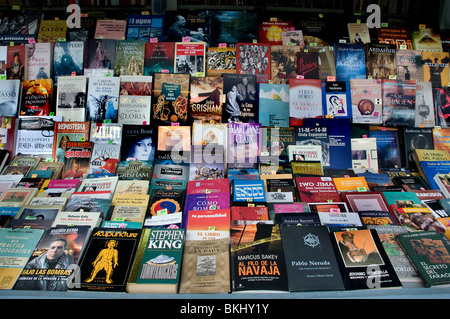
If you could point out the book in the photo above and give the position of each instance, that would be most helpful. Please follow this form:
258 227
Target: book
206 99
14 260
327 58
118 246
351 184
366 97
364 153
399 36
64 218
244 144
350 61
102 101
51 31
249 213
71 98
159 57
206 265
435 67
68 131
134 169
193 25
409 65
220 60
10 98
245 24
40 57
305 100
49 271
254 59
248 190
300 168
271 31
428 252
157 265
144 27
129 57
425 113
441 97
16 62
110 29
399 101
317 189
381 61
292 37
308 64
88 204
358 33
279 140
388 148
337 99
207 162
314 135
77 159
208 224
274 105
207 133
310 260
426 39
283 59
170 98
241 98
208 186
99 55
190 58
140 144
257 258
68 59
17 197
364 264
174 138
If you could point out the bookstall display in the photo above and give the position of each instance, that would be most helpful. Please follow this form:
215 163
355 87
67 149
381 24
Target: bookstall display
222 152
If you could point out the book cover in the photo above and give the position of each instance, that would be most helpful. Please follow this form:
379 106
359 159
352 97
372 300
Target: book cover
190 58
327 60
110 29
337 99
68 59
425 113
314 135
441 97
292 38
17 62
115 246
308 64
426 39
77 157
435 68
257 258
409 65
208 224
208 201
351 184
283 59
194 24
134 109
206 99
68 131
206 265
310 260
364 153
274 105
388 148
174 138
157 265
51 265
144 27
140 143
244 144
234 26
37 97
254 59
71 98
317 189
350 61
52 31
363 261
40 57
17 197
271 31
99 55
220 60
278 142
208 186
241 98
399 102
129 57
358 32
249 213
207 162
365 201
381 61
159 57
305 100
102 99
170 98
429 254
399 36
10 98
366 97
14 260
248 190
306 168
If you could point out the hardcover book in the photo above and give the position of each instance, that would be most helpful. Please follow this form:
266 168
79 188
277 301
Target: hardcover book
159 57
274 105
102 99
283 63
129 57
157 265
366 97
190 58
71 98
241 98
244 144
254 59
68 59
206 99
310 260
381 61
350 61
305 100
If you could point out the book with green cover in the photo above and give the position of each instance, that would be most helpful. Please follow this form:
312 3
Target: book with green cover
429 254
157 265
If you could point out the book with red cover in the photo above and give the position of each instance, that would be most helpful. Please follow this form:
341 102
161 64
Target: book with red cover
317 189
208 224
208 186
270 31
159 57
249 213
254 59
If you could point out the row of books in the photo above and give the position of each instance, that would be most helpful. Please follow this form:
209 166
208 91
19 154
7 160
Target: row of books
272 232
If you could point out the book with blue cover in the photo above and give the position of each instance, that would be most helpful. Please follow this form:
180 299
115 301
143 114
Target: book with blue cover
337 99
248 190
431 168
144 27
274 105
350 61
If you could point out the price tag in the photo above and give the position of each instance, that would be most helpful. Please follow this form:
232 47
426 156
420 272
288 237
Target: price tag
361 189
384 24
273 19
186 39
255 41
162 212
200 74
422 26
49 159
331 78
107 121
31 40
222 45
313 44
212 207
175 124
335 210
403 47
300 77
153 40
